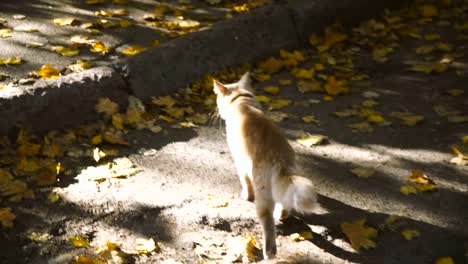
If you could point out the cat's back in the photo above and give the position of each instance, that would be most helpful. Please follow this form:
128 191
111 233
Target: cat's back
264 140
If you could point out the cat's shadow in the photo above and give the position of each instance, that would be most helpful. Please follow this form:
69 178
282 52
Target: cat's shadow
391 246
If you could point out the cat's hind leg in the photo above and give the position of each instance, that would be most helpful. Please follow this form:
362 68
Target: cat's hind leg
265 206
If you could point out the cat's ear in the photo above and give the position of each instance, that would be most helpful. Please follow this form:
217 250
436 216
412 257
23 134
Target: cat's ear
245 82
219 88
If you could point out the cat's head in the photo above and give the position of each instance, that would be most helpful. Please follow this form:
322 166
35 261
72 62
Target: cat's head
226 94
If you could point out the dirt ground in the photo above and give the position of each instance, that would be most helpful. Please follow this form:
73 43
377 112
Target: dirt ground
182 168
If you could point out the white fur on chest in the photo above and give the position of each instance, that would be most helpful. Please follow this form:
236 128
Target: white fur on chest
238 148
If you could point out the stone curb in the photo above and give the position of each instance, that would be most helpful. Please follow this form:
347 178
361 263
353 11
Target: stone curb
68 100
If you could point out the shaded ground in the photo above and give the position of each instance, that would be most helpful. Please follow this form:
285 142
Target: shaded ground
167 201
144 24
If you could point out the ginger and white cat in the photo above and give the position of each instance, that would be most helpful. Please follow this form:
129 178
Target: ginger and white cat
264 160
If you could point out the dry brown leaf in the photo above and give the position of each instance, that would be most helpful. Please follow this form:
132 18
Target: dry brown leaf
359 235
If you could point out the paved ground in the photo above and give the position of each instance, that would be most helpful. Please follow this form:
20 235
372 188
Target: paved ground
181 168
33 34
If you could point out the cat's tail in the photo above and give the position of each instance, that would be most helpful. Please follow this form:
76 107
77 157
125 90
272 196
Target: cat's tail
295 192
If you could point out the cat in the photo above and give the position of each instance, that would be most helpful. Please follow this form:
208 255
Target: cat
264 160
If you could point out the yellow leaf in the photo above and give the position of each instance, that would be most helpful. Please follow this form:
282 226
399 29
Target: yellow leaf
380 53
369 103
335 87
130 51
120 2
28 149
455 92
431 37
262 77
309 119
107 107
167 101
305 235
278 103
217 202
444 260
95 2
277 116
52 150
408 118
314 40
175 112
111 13
125 23
270 66
99 47
327 98
319 67
7 217
409 234
359 235
26 165
428 11
285 82
419 177
118 121
375 118
312 140
47 71
53 197
46 177
66 21
362 127
407 190
303 73
263 99
5 33
249 242
69 52
79 66
309 86
167 118
114 139
428 68
11 61
426 187
363 172
443 46
155 43
145 246
87 260
79 241
425 49
272 90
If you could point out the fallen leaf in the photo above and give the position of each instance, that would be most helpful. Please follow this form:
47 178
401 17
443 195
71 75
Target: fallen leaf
285 82
107 107
363 172
309 119
67 21
312 140
444 260
305 235
114 139
278 103
277 116
117 168
79 241
5 33
28 149
48 72
428 68
65 51
309 86
217 202
455 92
145 246
7 217
111 13
335 87
79 66
270 66
359 235
409 234
132 50
263 99
302 73
419 177
460 159
274 90
99 47
375 118
458 119
166 101
118 121
407 190
428 11
408 118
364 127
